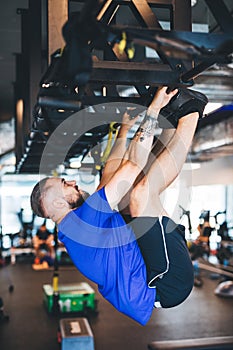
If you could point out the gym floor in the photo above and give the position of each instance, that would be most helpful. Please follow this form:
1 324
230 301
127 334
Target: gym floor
30 327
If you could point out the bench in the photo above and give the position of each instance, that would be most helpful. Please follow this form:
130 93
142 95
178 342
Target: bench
214 343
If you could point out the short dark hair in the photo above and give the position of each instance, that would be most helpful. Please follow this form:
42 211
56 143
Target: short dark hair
36 198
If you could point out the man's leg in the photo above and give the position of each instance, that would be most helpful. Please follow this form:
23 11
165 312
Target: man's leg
161 241
159 145
144 199
36 245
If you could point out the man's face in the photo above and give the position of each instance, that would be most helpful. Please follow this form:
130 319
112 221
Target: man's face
68 190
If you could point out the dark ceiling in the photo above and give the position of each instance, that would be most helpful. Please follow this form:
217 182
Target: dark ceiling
143 73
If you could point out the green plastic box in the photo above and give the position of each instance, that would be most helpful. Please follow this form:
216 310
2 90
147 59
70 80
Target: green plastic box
73 297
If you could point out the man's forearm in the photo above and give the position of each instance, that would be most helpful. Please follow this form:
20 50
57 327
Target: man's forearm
117 154
141 144
123 179
140 147
119 148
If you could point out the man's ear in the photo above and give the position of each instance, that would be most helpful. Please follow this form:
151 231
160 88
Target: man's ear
59 203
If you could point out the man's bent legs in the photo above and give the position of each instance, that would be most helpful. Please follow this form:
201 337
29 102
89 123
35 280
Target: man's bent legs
144 198
158 147
161 241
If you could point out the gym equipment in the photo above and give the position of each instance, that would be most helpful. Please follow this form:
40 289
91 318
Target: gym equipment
195 251
217 343
2 264
224 289
187 213
74 81
76 297
64 298
76 334
222 270
3 317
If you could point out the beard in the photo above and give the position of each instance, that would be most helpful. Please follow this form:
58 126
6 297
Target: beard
79 201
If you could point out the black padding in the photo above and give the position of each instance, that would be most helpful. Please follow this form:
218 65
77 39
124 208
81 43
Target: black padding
60 103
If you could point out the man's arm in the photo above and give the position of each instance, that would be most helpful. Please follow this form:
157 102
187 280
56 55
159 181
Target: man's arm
138 151
118 149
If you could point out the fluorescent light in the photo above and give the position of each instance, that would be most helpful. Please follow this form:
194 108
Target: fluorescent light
104 91
75 164
191 166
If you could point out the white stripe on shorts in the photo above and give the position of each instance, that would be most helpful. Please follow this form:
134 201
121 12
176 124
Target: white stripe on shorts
160 275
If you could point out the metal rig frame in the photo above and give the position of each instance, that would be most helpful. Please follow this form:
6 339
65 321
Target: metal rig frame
121 72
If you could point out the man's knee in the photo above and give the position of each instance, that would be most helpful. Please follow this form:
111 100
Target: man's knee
145 191
139 198
145 200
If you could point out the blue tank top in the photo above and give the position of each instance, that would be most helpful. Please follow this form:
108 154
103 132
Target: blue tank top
104 249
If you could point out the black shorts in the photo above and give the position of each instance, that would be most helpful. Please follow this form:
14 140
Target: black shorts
168 263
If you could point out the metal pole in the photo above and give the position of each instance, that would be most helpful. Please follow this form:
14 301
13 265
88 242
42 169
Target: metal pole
193 73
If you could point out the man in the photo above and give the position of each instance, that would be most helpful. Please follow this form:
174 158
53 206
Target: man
43 239
97 238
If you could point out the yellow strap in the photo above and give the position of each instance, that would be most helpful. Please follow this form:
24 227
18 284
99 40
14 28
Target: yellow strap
112 129
55 283
122 43
128 46
131 51
55 173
